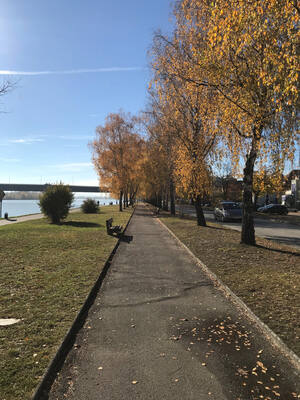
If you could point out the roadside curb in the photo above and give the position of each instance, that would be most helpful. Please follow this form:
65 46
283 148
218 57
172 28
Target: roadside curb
279 221
264 329
43 388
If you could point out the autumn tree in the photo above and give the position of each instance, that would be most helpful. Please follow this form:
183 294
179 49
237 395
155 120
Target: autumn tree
161 137
155 182
191 117
117 149
267 182
134 156
247 52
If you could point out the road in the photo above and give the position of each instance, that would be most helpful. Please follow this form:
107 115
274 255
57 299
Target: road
281 232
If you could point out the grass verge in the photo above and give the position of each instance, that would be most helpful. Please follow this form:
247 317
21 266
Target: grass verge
265 277
47 272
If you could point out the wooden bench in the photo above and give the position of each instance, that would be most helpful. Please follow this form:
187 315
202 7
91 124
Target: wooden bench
112 229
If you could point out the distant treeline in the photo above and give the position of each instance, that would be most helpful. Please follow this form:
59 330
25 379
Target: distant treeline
22 196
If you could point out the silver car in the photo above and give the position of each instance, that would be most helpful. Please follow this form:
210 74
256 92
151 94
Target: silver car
228 210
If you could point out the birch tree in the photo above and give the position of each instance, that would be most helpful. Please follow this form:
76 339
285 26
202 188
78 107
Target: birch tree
248 53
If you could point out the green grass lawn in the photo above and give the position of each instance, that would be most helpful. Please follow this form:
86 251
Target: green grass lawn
46 272
266 277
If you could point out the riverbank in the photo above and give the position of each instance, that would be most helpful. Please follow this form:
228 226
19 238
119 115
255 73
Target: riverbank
46 273
16 208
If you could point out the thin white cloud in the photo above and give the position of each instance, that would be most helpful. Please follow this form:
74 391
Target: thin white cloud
73 167
25 140
70 71
75 137
9 160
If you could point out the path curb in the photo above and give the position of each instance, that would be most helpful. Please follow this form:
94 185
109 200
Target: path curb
42 390
265 330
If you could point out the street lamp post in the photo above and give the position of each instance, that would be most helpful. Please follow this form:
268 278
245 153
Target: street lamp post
2 194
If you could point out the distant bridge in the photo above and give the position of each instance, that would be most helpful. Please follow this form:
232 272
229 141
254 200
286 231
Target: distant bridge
24 187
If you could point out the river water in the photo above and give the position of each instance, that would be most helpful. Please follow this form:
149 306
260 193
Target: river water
15 208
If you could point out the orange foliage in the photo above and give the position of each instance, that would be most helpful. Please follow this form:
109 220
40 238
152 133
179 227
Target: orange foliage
117 155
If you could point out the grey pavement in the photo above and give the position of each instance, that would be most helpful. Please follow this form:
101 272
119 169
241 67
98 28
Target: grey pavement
24 218
159 329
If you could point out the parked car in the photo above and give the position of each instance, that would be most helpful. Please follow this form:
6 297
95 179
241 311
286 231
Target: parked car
274 209
228 210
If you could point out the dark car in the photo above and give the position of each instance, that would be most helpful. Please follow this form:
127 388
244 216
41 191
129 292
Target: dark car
274 209
228 210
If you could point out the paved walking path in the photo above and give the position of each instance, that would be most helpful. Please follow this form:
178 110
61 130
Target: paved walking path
24 218
159 329
15 220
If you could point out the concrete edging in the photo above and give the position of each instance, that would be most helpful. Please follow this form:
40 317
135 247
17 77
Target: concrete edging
266 331
43 388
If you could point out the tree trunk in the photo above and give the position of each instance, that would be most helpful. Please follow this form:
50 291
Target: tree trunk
158 201
199 212
166 201
255 201
120 200
248 232
172 196
131 199
267 199
126 199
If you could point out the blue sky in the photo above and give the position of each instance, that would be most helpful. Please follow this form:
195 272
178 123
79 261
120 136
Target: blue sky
73 62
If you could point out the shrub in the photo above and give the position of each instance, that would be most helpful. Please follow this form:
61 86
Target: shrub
56 201
90 206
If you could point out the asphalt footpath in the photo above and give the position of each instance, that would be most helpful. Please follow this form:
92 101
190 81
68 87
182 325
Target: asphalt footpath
160 329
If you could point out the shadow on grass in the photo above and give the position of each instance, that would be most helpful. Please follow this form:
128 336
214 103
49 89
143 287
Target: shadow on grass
294 253
78 224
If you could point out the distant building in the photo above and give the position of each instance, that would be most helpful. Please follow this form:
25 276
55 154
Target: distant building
227 188
291 198
235 189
